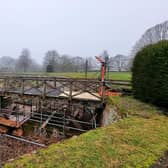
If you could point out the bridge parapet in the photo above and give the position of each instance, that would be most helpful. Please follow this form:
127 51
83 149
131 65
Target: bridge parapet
51 87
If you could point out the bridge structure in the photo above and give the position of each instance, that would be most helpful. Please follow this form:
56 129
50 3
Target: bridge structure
66 103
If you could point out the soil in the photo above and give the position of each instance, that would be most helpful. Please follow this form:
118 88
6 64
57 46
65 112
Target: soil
162 162
11 149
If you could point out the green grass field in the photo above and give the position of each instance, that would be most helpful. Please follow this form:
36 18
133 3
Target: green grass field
112 75
136 141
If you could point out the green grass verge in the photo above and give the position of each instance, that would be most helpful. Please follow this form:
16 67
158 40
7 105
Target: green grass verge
112 75
136 141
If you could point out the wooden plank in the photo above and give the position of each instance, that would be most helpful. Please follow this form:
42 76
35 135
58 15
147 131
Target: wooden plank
9 123
82 96
3 129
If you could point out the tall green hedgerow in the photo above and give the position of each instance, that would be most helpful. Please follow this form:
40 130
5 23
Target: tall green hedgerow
150 74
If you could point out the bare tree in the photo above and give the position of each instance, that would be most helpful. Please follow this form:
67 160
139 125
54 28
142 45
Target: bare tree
7 64
54 62
78 64
119 60
93 64
120 63
51 59
66 63
24 61
152 35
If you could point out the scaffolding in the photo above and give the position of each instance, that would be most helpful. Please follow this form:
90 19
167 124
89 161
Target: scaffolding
68 104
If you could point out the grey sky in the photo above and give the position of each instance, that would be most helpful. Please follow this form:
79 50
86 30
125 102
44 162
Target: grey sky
76 27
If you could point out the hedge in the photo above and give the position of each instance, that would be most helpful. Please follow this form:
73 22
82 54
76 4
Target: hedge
150 74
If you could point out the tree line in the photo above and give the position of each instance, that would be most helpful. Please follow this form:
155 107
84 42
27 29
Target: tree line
55 62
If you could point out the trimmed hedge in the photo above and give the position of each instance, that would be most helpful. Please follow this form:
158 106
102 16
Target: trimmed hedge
150 74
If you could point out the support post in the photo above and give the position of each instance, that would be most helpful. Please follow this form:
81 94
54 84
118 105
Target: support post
0 104
22 88
86 68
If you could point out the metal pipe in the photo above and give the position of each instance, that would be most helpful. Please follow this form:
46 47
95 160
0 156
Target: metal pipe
67 119
23 140
44 124
61 126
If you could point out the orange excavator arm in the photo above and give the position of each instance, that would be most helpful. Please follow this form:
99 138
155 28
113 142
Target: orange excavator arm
103 73
103 69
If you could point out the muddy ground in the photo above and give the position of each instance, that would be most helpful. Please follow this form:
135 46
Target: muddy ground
11 149
162 162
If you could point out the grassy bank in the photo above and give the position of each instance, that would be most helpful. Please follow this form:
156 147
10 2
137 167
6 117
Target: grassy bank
135 141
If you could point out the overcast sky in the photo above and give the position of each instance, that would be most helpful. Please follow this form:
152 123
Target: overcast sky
76 27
